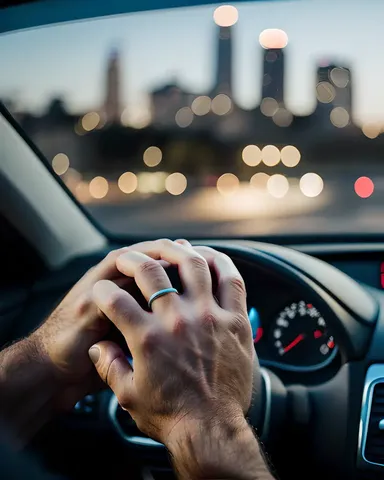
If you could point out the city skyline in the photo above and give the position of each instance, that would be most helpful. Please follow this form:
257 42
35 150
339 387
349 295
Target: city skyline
199 81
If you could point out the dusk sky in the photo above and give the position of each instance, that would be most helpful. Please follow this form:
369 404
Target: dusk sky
157 47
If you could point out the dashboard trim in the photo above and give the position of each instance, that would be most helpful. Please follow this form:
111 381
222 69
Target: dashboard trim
293 368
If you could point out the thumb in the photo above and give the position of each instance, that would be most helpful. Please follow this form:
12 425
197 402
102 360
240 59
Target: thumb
114 369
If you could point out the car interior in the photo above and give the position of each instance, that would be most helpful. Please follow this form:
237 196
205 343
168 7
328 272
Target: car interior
315 298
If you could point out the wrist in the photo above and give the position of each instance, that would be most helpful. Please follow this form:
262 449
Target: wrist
28 386
221 446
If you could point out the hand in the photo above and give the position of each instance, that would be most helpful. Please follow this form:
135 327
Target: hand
193 356
50 370
64 339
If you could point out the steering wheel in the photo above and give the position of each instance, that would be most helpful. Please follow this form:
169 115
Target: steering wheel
331 424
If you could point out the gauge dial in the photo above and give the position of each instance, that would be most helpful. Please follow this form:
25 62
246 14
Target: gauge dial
300 336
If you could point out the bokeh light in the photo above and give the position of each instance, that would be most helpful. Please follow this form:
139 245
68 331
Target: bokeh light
227 184
221 104
82 192
290 156
339 117
135 118
371 130
176 183
226 15
60 163
325 92
251 155
364 187
278 186
340 77
283 117
184 117
273 38
201 105
72 178
127 182
144 182
311 184
152 156
269 106
270 155
158 181
98 187
90 121
259 180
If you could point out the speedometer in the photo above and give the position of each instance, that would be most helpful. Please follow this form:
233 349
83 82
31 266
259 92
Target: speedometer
300 337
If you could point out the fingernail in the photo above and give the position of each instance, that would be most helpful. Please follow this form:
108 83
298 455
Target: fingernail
94 354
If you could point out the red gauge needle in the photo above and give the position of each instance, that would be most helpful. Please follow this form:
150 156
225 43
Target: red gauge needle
293 344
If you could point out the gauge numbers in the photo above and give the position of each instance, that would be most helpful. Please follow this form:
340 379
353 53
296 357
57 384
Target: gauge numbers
300 337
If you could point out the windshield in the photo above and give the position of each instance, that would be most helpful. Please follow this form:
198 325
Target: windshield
260 119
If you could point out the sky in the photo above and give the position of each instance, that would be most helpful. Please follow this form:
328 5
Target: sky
69 60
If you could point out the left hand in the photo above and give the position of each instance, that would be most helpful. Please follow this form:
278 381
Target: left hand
64 338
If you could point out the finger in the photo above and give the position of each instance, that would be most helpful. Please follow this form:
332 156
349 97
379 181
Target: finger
114 369
231 288
193 268
149 275
121 308
184 242
106 269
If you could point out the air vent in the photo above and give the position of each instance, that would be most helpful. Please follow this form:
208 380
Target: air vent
371 435
374 444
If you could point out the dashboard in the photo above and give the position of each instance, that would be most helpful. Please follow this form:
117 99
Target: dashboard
292 334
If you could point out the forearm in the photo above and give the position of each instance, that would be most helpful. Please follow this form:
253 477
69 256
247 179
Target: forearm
219 451
27 390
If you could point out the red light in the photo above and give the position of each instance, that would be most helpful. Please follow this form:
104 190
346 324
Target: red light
382 274
259 334
331 344
309 305
364 187
317 333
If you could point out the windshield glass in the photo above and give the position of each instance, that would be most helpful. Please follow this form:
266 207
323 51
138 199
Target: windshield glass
260 119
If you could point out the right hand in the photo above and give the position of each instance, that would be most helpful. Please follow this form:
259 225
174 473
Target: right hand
193 356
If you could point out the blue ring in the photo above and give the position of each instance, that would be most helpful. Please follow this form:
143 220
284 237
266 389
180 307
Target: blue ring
159 294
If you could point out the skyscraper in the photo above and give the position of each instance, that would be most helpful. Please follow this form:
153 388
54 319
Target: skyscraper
112 105
273 75
223 79
333 87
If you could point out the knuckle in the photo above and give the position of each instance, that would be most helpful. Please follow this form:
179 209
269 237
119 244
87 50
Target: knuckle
150 267
150 341
179 325
165 242
114 301
197 262
114 254
209 319
237 284
240 324
83 305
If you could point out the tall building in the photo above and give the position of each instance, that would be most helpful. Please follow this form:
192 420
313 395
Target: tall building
334 88
273 74
112 106
223 78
